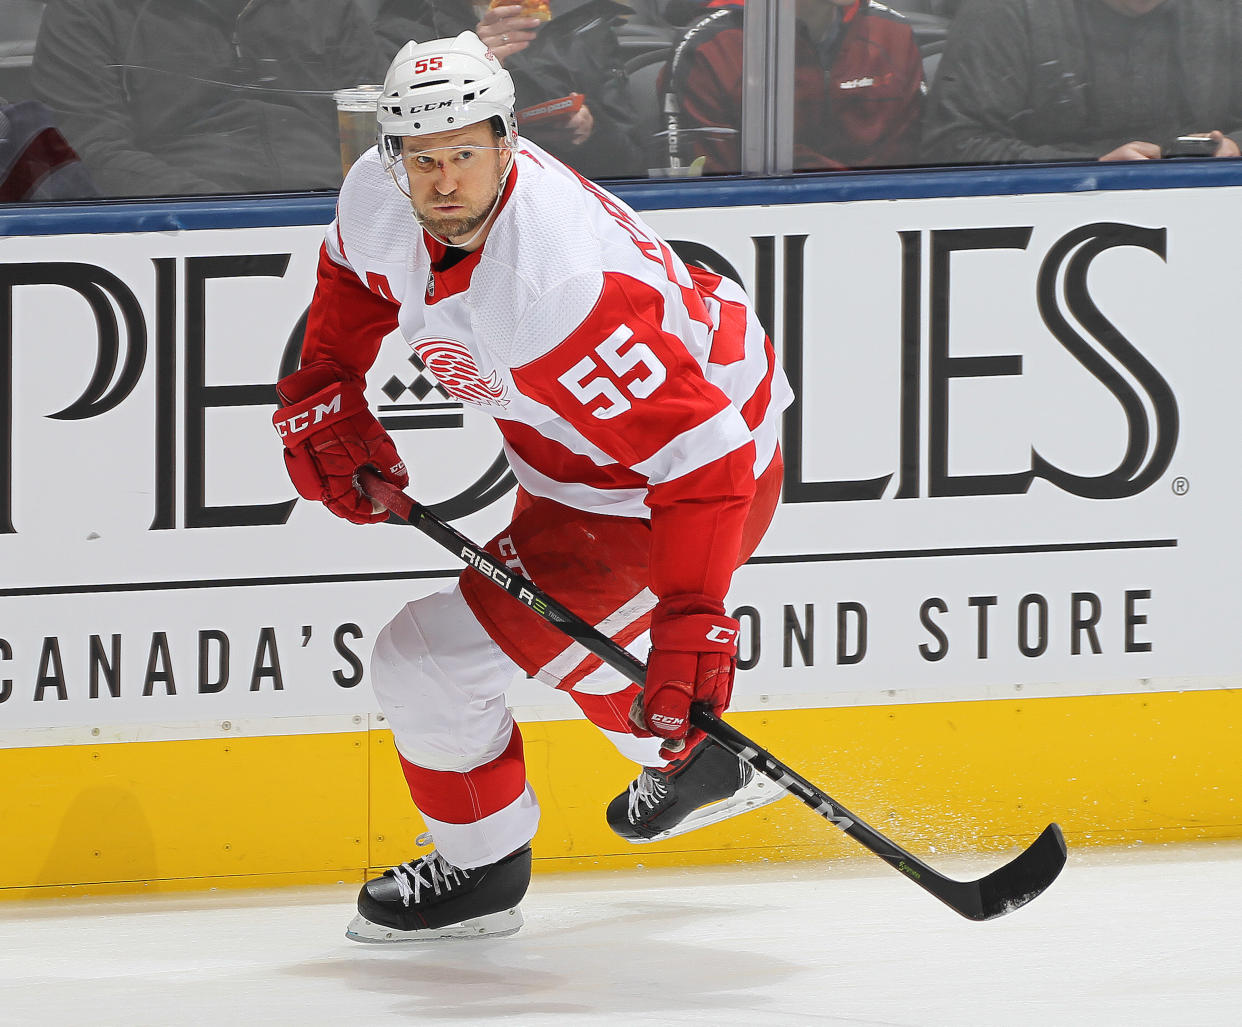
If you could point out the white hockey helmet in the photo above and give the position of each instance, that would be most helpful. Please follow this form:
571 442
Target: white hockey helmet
441 85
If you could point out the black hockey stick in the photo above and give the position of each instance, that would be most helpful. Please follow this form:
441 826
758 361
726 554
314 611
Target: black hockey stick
1000 892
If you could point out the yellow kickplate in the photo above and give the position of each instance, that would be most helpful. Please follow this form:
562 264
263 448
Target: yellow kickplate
936 777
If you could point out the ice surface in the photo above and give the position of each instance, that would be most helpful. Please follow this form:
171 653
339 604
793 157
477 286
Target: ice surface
1148 935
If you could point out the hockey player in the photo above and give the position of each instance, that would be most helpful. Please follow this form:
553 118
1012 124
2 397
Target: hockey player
639 402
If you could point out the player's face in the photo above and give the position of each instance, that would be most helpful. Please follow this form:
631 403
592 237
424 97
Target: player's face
454 177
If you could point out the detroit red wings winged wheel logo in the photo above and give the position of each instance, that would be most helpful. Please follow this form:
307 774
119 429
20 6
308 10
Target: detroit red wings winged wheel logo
455 369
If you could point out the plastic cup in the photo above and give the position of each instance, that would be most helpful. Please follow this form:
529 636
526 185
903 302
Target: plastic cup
355 119
692 170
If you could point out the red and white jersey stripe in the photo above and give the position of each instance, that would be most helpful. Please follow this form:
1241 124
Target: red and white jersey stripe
622 381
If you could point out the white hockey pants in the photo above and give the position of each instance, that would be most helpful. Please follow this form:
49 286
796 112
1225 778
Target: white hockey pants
440 681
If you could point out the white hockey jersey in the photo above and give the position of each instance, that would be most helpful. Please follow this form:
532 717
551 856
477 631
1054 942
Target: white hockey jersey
622 382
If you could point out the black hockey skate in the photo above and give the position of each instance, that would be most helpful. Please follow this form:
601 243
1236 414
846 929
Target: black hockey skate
707 786
430 898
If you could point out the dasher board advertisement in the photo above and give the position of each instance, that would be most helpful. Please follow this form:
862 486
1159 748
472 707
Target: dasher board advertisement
1010 464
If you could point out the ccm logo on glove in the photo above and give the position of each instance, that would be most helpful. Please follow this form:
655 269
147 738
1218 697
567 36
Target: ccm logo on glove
329 433
720 633
301 421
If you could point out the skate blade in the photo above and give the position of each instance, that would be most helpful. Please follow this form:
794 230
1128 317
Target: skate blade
494 925
759 792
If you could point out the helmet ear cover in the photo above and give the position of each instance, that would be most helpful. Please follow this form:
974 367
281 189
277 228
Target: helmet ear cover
443 85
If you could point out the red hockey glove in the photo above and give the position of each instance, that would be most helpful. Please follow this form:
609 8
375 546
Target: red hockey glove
693 656
329 433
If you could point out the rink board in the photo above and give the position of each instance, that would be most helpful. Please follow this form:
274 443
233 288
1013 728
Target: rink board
936 777
1000 588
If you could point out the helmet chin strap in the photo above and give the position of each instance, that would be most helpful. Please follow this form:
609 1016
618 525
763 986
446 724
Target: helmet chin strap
485 223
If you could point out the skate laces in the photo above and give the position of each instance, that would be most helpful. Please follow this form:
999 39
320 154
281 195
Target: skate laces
431 873
646 792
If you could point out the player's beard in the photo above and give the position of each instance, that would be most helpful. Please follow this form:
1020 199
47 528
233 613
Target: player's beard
457 226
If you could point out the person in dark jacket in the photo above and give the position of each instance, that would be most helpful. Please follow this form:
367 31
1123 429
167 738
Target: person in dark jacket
191 97
576 52
1048 80
858 87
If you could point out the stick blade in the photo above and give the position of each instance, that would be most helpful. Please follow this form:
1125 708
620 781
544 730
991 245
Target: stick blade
1020 880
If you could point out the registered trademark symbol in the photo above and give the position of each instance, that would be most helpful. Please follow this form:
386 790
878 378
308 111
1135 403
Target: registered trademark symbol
1181 486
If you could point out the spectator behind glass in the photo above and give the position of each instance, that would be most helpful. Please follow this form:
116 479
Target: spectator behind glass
1045 80
576 52
858 86
186 97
